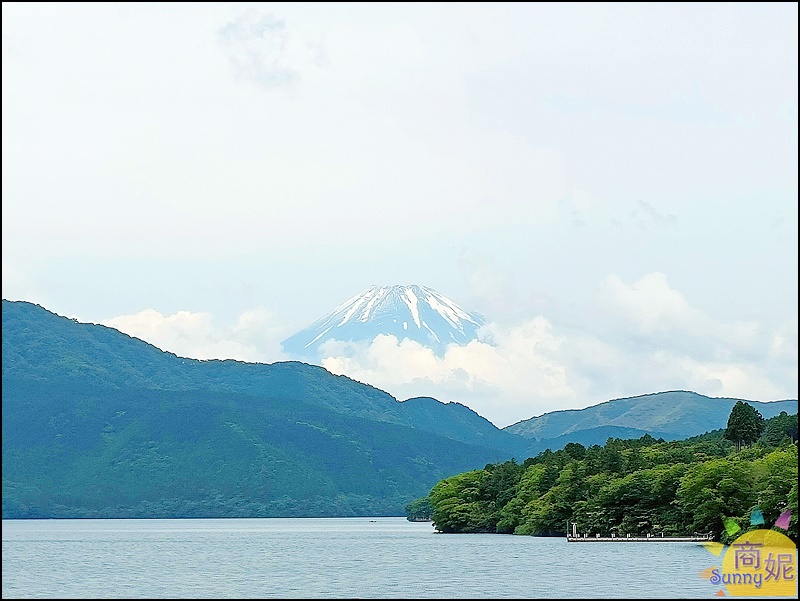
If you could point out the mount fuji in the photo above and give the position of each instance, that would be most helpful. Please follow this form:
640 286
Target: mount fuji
414 312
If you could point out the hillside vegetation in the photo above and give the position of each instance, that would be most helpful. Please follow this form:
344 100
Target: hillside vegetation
98 424
628 487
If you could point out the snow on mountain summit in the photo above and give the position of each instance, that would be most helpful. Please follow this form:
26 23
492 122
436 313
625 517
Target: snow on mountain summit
413 312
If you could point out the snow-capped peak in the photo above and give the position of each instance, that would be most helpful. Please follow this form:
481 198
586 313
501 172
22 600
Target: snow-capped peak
412 311
376 299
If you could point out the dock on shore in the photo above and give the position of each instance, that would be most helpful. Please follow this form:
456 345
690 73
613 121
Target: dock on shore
574 537
641 539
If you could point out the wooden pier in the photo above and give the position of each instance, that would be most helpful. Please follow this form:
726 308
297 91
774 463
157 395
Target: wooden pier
704 538
587 538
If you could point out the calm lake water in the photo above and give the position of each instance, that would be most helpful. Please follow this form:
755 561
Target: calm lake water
330 557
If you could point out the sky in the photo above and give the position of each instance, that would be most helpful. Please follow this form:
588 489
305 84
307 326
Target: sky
613 186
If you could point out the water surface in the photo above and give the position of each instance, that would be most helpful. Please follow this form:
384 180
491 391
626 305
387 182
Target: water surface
330 558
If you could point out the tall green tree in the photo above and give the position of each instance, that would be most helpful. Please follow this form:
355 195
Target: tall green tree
745 424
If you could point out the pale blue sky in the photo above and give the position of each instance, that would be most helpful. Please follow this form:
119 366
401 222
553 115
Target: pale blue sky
613 185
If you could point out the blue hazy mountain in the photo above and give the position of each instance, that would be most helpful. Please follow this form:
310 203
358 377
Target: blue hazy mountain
414 312
672 415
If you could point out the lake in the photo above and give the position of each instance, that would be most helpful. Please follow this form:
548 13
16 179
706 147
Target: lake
331 558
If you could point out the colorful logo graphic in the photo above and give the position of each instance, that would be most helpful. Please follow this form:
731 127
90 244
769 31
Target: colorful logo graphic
759 563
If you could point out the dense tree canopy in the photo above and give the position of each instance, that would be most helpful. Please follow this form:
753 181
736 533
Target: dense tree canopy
419 510
781 428
636 487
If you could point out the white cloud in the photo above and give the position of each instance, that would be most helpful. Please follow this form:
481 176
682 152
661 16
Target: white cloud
657 342
739 380
649 304
658 314
254 337
513 373
508 374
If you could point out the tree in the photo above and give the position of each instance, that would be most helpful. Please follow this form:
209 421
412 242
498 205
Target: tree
575 450
745 424
716 488
774 434
419 510
780 429
457 504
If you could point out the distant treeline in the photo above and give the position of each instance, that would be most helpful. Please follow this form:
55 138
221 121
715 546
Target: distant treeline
627 487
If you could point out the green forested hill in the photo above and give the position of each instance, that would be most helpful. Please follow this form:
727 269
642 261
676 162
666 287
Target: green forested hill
98 452
43 346
96 423
636 487
459 422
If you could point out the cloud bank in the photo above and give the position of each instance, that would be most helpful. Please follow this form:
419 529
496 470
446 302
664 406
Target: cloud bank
645 337
252 337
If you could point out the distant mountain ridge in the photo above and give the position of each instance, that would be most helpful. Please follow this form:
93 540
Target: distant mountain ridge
673 414
41 346
414 312
96 423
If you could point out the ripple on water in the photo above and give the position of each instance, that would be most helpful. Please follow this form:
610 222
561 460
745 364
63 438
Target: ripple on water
330 558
